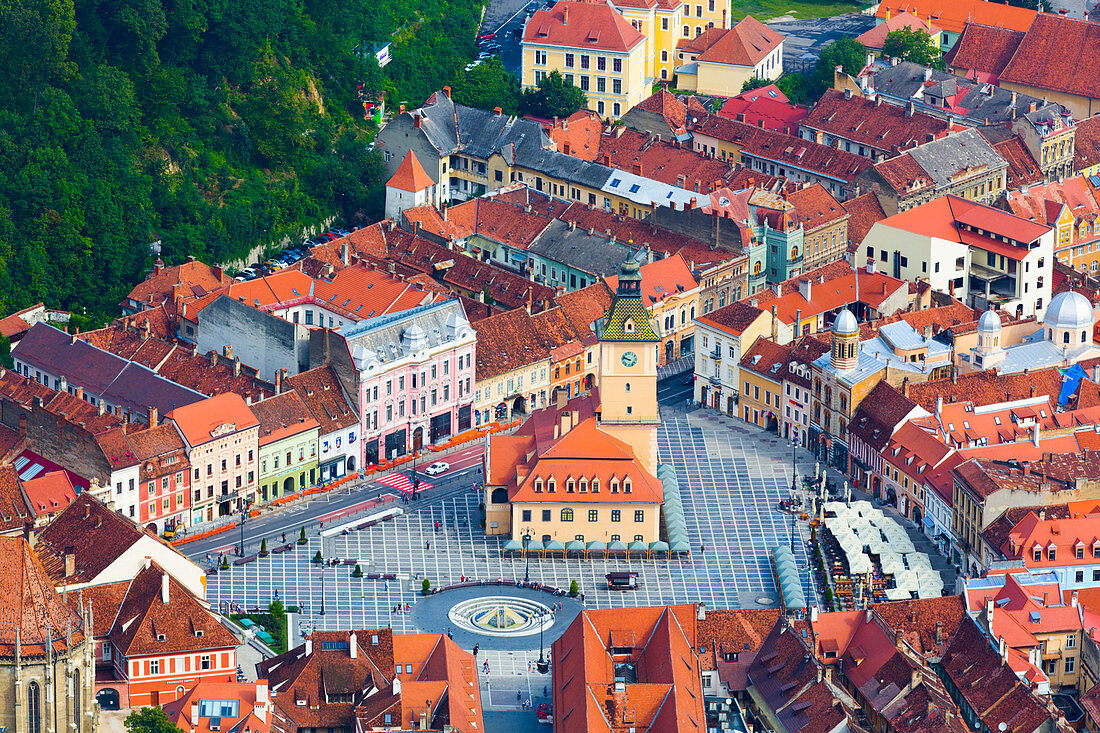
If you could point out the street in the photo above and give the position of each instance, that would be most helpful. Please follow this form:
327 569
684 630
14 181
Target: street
346 501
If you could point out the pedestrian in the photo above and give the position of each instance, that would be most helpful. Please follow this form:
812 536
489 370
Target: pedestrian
519 695
544 690
702 549
284 536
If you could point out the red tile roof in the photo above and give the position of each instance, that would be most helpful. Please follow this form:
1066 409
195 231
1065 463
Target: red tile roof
282 416
582 25
659 160
322 393
1022 168
1050 55
941 217
879 414
49 493
874 123
984 48
953 16
832 286
14 512
667 105
167 284
661 278
1042 203
245 693
410 175
816 207
734 318
765 104
787 149
863 212
506 342
31 611
1086 143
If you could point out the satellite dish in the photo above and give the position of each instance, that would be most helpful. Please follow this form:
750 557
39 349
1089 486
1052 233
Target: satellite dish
694 120
1002 726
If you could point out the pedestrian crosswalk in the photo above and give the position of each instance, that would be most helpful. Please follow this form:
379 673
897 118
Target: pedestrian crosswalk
402 483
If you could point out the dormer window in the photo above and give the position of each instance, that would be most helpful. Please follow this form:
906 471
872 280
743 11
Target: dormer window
1051 552
1037 554
570 485
538 486
595 485
628 326
615 489
626 485
1079 551
551 486
583 485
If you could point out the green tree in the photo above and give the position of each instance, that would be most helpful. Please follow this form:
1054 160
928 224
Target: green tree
754 82
847 53
425 587
574 589
225 563
263 547
5 353
149 720
358 572
486 86
795 86
302 537
914 45
276 609
552 98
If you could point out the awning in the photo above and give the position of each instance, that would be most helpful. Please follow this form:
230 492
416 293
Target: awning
927 522
639 546
534 546
513 545
555 546
659 546
574 546
597 546
863 465
616 546
519 257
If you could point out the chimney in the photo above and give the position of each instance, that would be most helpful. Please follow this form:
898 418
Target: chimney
1073 600
153 416
164 587
278 381
102 407
352 646
636 169
560 398
910 108
194 712
213 358
939 404
870 268
565 15
447 91
416 121
1035 435
70 561
899 638
309 646
1096 373
775 322
80 393
344 255
724 17
805 288
701 611
939 633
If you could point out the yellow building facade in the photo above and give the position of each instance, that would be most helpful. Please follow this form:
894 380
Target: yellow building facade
593 47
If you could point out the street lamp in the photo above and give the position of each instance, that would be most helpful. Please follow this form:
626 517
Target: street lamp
527 555
240 548
543 664
322 612
794 468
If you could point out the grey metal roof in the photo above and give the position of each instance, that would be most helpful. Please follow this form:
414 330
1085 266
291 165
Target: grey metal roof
383 339
593 253
562 166
455 128
984 103
945 157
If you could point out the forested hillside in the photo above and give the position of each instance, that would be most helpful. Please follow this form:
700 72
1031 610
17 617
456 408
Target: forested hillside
212 125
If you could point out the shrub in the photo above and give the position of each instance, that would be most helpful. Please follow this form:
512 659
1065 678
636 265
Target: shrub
358 572
317 558
574 589
426 587
263 547
302 537
225 563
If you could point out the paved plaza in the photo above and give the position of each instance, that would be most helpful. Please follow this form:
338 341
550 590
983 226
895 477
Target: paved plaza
731 481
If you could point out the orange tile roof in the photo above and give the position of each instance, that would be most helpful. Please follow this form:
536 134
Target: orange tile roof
245 693
953 16
322 392
1050 53
816 207
50 493
667 105
660 160
200 420
282 416
983 48
875 123
837 290
745 44
1022 169
582 25
735 317
31 610
941 217
875 37
588 452
429 219
187 280
661 278
410 175
578 135
863 212
14 512
1086 143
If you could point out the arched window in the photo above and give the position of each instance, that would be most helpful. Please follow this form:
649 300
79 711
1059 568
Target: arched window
693 312
698 29
794 253
664 55
628 386
683 316
567 515
756 269
687 31
664 75
34 712
1065 337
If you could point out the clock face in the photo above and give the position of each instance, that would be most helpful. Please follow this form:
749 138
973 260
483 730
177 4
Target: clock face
629 358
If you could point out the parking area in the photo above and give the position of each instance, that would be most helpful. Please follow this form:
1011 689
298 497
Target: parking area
731 481
805 38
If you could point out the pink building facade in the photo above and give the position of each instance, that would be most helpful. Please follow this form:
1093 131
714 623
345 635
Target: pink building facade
416 378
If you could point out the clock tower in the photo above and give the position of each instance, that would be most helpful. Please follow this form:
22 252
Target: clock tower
628 369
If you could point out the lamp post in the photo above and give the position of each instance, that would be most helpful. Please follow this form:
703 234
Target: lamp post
527 555
794 467
542 665
322 612
240 548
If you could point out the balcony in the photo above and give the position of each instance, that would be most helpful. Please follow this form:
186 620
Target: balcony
716 354
757 280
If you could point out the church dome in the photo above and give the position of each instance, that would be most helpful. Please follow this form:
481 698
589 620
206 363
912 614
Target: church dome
1069 311
845 324
990 322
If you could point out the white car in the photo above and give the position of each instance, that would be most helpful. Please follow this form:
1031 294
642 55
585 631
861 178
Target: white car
437 468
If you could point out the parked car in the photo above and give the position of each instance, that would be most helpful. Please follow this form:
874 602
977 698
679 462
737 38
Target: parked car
342 231
492 47
485 36
437 468
473 65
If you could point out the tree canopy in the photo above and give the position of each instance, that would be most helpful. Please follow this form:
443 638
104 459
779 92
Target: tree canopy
487 85
846 53
914 45
213 126
149 720
553 98
754 82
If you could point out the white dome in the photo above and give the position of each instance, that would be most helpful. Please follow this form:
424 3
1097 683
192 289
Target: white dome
1070 311
990 322
845 323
